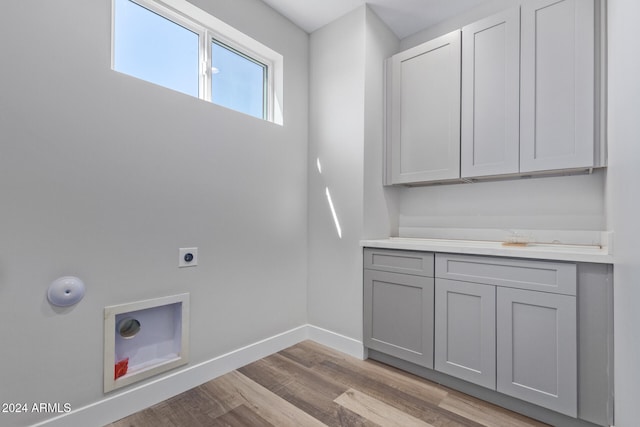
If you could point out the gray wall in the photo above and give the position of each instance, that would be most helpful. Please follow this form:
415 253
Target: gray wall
380 203
549 203
336 127
623 203
346 107
105 176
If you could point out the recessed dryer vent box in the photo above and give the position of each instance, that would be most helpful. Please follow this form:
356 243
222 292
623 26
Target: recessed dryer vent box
144 338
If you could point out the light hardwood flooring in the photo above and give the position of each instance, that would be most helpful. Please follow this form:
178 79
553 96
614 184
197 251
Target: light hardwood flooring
311 385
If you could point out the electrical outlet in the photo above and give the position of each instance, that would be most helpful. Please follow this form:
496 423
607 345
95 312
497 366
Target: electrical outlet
188 257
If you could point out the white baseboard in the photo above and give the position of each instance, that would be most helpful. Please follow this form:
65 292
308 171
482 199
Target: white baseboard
120 405
336 341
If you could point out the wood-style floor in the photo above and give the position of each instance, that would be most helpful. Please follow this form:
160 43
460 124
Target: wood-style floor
312 385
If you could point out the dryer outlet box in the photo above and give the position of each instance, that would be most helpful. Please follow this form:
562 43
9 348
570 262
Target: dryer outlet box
188 257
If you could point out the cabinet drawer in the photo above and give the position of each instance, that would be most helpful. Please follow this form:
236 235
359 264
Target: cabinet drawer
407 262
545 276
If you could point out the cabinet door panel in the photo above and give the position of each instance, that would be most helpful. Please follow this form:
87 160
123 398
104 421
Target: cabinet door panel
465 340
425 124
558 95
398 315
537 348
491 95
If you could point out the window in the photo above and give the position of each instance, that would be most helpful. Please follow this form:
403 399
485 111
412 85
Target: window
237 81
156 49
178 46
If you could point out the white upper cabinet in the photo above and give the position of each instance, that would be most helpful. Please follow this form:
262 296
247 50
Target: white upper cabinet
514 93
558 85
425 111
490 133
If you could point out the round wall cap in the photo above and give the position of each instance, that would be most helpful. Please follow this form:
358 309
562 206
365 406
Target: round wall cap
66 291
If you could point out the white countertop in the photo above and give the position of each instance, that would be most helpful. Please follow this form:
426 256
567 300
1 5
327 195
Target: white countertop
558 252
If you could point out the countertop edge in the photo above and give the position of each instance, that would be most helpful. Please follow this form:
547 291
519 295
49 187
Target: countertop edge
601 256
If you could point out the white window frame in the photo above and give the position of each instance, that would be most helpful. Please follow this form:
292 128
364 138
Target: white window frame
210 28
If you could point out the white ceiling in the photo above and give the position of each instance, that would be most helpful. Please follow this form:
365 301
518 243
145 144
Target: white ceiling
404 17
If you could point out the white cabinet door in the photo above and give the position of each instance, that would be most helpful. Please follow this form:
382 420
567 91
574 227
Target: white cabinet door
491 95
398 315
557 85
537 348
425 108
465 334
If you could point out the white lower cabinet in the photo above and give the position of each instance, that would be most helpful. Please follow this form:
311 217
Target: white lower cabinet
537 348
465 335
513 330
398 304
395 312
491 332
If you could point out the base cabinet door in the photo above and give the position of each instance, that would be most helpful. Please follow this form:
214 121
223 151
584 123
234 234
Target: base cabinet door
398 315
537 348
465 335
